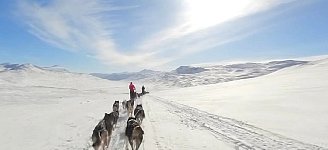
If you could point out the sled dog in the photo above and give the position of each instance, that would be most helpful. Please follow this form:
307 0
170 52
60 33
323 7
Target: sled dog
134 133
112 118
100 136
124 104
140 115
116 106
138 107
129 108
110 121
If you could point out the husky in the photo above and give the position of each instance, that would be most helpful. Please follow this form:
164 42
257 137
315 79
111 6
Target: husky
132 102
140 115
139 94
100 136
124 104
116 116
129 108
109 121
134 133
138 107
116 106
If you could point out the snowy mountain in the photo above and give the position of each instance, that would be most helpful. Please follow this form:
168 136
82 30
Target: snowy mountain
32 75
187 76
189 70
128 75
17 67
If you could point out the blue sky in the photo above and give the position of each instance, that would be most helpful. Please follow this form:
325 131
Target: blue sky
113 36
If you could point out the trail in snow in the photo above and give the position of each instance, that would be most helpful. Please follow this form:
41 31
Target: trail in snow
118 140
164 131
241 135
169 126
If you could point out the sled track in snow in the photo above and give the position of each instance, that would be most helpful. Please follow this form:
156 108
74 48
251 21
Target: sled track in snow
241 135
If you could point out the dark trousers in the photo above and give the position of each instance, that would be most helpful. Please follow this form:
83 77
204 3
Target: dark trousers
131 95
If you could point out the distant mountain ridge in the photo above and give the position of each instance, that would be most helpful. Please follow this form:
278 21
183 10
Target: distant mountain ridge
183 76
186 76
30 67
128 75
32 75
189 70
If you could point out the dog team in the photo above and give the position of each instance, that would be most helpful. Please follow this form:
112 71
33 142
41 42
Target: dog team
101 134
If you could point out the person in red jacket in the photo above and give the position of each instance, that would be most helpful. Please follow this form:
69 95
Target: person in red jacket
132 88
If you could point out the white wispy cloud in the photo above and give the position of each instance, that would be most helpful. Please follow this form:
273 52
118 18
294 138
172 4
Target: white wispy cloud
79 26
83 26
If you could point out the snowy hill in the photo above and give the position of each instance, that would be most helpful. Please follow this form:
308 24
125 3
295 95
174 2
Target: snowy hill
47 108
54 76
187 76
17 67
189 70
291 102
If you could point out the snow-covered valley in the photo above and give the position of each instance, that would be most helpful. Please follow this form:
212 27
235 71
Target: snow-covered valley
284 108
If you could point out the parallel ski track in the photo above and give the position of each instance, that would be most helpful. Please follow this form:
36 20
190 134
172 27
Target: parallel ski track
237 133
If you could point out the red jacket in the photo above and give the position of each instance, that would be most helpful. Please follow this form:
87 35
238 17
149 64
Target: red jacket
131 87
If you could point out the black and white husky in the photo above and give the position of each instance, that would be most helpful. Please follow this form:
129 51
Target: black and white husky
134 133
139 113
100 136
116 106
111 119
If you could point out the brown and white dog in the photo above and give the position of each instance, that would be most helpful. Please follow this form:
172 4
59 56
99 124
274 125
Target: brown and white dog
124 104
134 133
129 108
100 136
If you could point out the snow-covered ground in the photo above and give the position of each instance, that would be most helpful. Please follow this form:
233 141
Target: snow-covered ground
51 108
292 102
45 109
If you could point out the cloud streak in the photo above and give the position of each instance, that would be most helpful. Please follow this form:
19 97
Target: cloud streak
84 26
79 26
